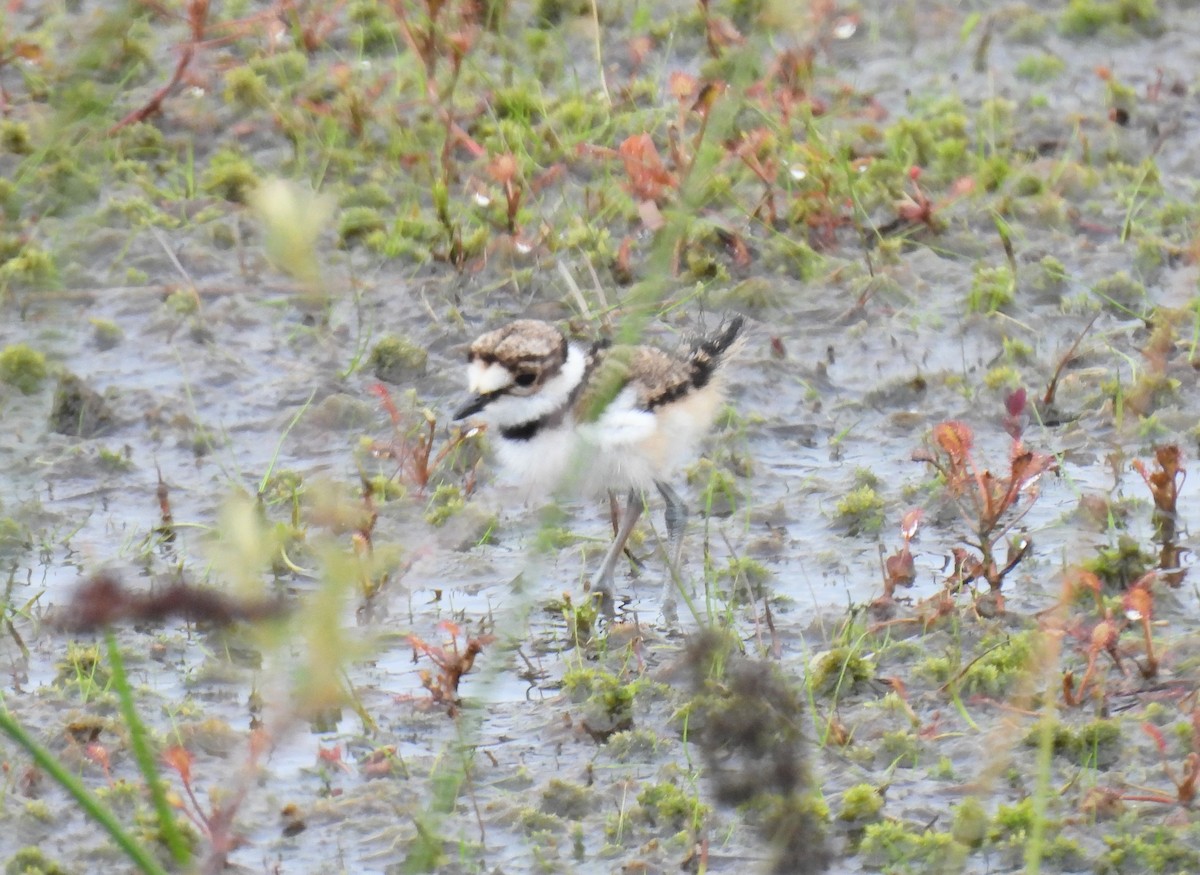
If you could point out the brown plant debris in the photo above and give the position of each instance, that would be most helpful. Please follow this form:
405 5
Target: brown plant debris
102 600
748 721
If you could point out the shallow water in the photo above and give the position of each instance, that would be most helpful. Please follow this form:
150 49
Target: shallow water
257 380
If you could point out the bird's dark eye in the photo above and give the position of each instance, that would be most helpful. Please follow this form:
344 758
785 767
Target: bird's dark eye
525 379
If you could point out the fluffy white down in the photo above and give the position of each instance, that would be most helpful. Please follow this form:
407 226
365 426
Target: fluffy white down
627 447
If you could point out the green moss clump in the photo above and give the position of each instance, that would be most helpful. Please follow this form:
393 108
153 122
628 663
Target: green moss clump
633 745
1017 351
890 843
703 264
182 302
992 172
1083 18
31 266
10 200
1027 25
970 826
374 33
1121 290
229 175
1120 565
992 290
1185 733
575 115
861 802
937 669
22 367
567 799
520 103
667 806
943 770
841 668
105 333
719 494
900 746
14 137
746 13
861 511
1096 745
606 701
533 821
142 141
385 488
582 684
594 240
357 223
866 477
15 538
581 617
547 13
1151 255
1156 849
396 360
37 809
935 137
1002 377
1041 67
82 662
446 501
114 461
1013 820
31 861
284 68
553 538
369 194
1050 277
1067 855
373 38
1028 185
1000 665
743 568
246 88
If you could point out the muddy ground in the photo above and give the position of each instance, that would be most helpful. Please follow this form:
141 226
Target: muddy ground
981 213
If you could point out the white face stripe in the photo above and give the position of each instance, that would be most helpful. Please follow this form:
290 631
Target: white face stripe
484 379
510 410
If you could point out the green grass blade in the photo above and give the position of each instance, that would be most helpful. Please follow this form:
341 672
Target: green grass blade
140 743
86 800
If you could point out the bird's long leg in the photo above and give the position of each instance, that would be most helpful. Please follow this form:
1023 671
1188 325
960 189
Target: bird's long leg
676 518
614 511
602 583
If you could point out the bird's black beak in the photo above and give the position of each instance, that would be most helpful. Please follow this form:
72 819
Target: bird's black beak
473 405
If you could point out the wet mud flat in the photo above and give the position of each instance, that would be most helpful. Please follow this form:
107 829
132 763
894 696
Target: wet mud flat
961 234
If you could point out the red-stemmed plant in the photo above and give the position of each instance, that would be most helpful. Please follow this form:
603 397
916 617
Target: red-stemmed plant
990 504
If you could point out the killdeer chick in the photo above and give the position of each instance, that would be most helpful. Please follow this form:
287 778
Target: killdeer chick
604 417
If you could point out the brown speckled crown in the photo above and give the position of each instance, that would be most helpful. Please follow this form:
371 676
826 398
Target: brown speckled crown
524 342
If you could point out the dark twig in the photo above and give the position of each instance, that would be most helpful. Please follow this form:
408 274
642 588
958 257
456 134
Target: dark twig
1052 387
